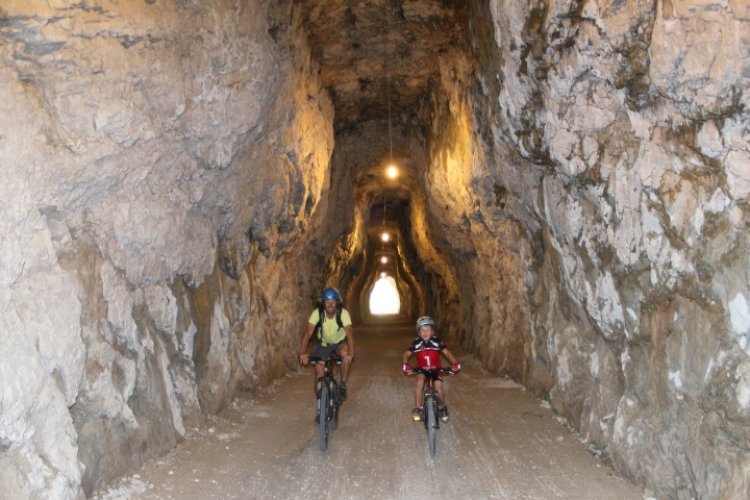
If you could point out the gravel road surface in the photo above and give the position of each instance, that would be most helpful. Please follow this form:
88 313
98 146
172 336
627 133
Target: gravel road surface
500 443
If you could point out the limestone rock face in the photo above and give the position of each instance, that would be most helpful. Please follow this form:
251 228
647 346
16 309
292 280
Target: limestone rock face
616 202
150 151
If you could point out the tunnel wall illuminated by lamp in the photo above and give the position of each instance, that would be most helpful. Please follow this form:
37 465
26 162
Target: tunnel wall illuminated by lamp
384 298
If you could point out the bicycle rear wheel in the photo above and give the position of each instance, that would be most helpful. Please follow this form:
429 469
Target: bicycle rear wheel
325 398
431 422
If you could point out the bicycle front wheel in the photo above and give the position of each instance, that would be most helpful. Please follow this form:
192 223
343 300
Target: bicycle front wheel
334 403
431 421
325 399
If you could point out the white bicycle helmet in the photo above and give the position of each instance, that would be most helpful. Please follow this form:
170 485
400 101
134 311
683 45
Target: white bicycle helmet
425 320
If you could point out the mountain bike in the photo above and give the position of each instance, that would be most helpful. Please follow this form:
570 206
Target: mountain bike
430 404
329 398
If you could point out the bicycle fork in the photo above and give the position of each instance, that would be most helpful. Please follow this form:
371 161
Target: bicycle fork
333 396
430 399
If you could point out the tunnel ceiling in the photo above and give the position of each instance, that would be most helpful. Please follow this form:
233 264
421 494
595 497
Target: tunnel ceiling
379 61
370 50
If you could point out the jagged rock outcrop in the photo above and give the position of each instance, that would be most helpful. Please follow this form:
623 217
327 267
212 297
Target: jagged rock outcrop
159 159
610 201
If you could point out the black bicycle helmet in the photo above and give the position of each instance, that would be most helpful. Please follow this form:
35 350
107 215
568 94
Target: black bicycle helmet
330 294
425 320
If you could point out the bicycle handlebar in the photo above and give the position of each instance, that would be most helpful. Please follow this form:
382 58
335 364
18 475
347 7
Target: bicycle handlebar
443 369
333 359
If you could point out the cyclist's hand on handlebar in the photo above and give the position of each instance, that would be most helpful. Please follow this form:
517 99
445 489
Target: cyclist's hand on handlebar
406 368
304 359
456 367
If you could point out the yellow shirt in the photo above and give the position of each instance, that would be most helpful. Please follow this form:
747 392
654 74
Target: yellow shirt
332 334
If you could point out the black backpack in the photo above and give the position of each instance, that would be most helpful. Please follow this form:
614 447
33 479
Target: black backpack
322 315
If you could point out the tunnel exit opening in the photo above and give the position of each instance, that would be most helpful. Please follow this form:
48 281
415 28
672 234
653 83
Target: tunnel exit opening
384 298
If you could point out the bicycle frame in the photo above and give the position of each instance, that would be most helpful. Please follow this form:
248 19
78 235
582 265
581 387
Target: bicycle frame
430 404
329 398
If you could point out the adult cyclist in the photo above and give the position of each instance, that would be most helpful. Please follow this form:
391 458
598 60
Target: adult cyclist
332 325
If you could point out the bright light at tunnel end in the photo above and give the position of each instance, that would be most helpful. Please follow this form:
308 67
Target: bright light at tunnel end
384 298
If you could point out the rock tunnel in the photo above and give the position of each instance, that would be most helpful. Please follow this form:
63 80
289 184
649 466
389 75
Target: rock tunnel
181 178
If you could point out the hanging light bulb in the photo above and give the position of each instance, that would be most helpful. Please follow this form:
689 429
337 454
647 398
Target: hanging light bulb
384 260
385 237
391 171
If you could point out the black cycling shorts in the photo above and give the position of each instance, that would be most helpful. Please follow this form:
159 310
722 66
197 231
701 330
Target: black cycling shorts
324 351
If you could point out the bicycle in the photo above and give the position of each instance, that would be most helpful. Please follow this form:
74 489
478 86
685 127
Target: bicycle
329 398
430 404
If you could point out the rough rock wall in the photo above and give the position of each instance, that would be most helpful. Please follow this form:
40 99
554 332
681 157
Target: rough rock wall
600 170
160 161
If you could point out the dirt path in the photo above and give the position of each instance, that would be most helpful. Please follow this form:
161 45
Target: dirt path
500 443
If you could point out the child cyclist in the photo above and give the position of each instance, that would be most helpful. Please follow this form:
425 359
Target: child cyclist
427 347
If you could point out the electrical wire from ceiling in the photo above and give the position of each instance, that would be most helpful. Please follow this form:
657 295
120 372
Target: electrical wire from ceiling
390 132
386 70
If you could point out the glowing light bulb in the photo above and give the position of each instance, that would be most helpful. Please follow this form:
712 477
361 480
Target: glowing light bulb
383 259
391 172
385 237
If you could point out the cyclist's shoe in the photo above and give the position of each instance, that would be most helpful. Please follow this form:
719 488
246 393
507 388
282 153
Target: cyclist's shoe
342 391
443 412
416 414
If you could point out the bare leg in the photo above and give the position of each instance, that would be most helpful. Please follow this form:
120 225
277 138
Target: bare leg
343 350
419 391
440 392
